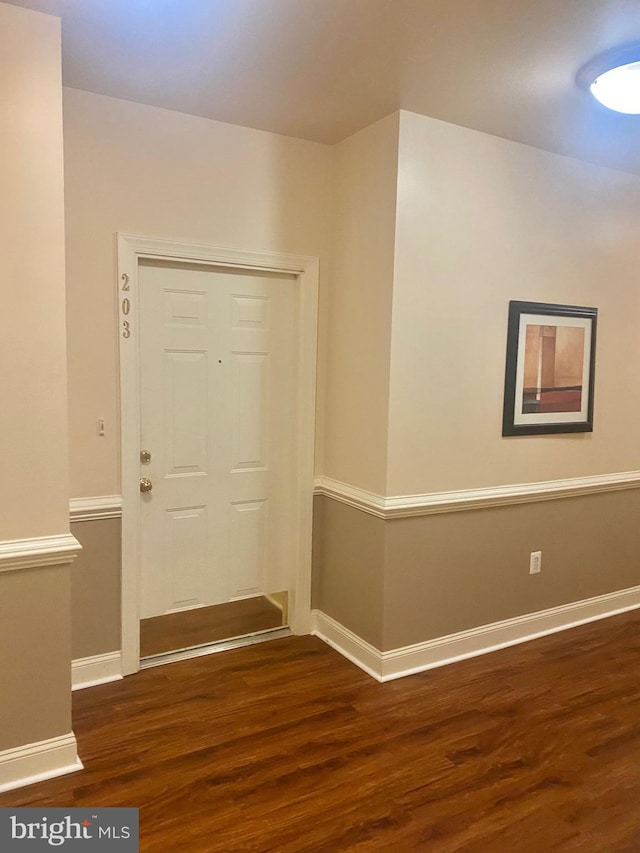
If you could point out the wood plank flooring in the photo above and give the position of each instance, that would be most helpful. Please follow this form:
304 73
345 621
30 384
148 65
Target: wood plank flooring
207 625
288 747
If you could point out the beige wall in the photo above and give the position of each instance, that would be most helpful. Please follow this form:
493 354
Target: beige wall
482 221
151 172
478 221
33 459
35 677
434 229
359 312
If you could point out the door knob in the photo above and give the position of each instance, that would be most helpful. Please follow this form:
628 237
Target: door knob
145 484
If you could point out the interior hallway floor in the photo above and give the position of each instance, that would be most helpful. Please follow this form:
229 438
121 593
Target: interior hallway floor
202 625
286 746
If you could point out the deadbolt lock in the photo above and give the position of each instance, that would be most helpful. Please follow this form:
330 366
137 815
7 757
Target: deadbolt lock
145 456
145 484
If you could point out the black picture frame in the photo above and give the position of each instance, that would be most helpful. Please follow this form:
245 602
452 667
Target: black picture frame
560 398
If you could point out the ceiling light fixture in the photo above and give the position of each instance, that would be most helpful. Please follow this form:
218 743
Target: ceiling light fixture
613 78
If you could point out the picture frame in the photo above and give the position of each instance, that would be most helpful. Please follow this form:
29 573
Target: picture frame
550 369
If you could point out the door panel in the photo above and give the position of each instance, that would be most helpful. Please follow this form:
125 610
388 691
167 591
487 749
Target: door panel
185 390
250 412
248 527
218 397
185 546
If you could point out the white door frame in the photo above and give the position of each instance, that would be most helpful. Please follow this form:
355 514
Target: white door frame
131 250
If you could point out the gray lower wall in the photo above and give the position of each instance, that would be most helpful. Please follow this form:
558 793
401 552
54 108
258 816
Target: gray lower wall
348 570
403 581
35 676
95 588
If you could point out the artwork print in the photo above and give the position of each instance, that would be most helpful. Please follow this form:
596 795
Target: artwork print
550 366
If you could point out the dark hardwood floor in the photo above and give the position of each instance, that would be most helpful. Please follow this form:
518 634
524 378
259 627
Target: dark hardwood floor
207 625
286 747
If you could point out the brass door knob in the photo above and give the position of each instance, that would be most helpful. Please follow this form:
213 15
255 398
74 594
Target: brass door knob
145 485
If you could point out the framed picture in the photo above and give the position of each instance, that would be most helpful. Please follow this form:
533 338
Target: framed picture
550 367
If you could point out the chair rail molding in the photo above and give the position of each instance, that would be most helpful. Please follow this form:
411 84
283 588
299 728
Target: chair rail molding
405 506
17 554
95 508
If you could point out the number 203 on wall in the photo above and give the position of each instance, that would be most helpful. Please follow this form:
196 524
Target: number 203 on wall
125 307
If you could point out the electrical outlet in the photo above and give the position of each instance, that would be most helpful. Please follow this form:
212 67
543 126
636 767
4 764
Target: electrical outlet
535 562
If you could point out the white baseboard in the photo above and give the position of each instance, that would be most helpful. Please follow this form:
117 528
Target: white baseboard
26 765
350 645
386 666
100 669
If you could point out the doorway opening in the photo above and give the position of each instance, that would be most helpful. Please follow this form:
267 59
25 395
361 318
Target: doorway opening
217 362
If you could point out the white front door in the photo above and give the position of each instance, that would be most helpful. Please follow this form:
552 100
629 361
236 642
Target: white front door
218 358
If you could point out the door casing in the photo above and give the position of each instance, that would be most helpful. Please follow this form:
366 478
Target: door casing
131 249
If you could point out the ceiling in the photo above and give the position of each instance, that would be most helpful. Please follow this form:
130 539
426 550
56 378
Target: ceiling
323 69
